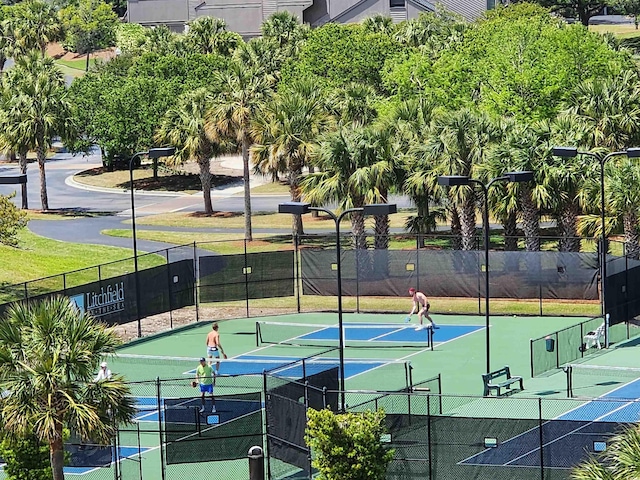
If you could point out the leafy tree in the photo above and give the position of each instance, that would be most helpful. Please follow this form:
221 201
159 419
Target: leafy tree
12 220
244 92
285 29
26 458
49 352
378 24
627 7
583 10
523 65
89 26
348 446
334 55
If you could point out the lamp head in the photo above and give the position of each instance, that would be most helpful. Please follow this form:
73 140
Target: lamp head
294 208
380 209
453 180
565 152
519 177
161 152
633 152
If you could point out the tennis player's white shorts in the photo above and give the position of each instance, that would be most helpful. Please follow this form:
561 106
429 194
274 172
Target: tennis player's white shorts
213 352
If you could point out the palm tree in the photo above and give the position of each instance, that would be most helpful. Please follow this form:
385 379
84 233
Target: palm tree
620 461
354 104
286 133
457 143
378 24
49 353
210 35
183 126
244 92
411 120
34 24
285 28
40 108
336 160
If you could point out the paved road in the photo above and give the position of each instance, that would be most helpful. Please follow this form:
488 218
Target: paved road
65 194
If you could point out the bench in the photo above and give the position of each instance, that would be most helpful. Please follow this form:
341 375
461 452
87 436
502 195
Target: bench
490 382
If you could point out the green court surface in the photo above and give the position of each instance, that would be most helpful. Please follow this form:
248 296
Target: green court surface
459 356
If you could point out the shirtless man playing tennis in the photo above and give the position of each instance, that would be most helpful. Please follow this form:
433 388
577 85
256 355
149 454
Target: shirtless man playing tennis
214 348
421 305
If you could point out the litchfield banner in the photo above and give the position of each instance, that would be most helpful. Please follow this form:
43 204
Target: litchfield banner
110 299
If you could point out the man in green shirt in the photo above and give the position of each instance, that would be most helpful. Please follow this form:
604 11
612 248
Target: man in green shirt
204 376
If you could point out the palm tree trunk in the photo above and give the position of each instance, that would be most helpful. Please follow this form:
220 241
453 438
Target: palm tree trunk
56 454
510 232
22 158
294 191
42 157
357 228
568 224
381 241
205 180
248 236
530 220
468 223
631 236
456 230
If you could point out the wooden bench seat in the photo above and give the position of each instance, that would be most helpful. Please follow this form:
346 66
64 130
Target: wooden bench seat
499 379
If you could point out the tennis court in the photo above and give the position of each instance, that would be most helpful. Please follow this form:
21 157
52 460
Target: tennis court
566 439
380 349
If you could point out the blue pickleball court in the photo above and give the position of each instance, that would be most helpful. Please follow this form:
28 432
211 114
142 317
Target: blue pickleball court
569 437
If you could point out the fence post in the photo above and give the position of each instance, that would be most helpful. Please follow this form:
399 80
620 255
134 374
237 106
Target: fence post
541 439
296 262
196 281
169 289
159 403
246 277
429 456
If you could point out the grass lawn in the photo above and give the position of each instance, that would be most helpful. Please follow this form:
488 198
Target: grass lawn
627 30
39 257
167 180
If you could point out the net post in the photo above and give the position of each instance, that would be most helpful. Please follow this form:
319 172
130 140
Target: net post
557 351
531 355
246 277
606 330
196 280
258 334
296 261
430 337
568 370
440 394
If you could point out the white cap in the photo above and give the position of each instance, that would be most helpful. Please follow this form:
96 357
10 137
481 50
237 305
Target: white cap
103 364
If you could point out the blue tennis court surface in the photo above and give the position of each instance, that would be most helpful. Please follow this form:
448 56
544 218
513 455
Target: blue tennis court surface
257 364
187 410
400 334
568 438
124 452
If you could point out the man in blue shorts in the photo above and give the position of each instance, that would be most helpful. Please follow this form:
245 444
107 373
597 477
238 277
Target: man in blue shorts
214 348
204 376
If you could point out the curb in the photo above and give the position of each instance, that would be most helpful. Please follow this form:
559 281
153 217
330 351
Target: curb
72 183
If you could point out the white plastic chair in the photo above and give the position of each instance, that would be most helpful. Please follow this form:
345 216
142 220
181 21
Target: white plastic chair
593 338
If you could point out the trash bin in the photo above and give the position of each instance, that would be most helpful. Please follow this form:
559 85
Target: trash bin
550 343
256 463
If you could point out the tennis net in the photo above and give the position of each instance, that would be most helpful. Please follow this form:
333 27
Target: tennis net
355 335
591 381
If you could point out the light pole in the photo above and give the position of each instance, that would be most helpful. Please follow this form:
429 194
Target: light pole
151 153
300 208
572 152
458 180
